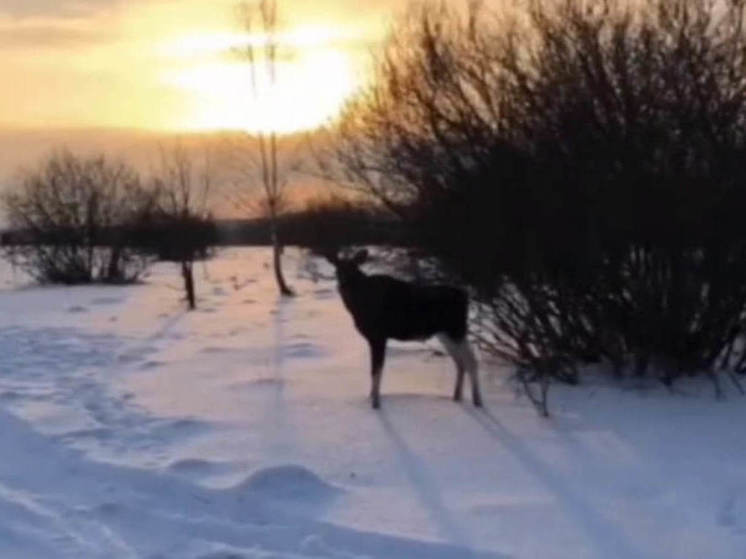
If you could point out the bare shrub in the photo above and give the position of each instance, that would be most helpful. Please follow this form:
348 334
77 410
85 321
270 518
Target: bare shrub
325 219
73 219
579 166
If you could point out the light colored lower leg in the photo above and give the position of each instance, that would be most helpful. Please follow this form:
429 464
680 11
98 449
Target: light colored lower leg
476 393
470 363
451 347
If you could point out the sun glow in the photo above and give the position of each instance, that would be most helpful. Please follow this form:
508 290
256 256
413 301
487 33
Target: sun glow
314 77
169 66
302 36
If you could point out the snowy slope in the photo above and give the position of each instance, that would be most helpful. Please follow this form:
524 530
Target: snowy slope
130 428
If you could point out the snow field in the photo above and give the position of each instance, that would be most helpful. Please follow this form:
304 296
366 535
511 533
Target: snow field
131 428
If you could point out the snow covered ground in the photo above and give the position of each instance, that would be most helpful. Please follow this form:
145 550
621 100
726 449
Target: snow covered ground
131 429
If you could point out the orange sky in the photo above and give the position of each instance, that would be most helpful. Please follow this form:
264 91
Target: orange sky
167 65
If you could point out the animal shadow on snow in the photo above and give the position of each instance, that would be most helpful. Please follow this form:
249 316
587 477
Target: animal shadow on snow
426 489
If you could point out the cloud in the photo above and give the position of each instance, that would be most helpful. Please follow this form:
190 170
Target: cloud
49 35
109 63
53 8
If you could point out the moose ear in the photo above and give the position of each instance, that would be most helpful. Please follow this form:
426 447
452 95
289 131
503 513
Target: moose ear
360 257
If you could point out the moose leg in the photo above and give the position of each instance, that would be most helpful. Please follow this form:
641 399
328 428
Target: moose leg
377 356
451 348
464 356
473 369
459 388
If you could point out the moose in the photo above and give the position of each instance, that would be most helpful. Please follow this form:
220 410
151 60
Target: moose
385 307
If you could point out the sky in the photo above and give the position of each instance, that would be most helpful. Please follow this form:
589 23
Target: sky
171 65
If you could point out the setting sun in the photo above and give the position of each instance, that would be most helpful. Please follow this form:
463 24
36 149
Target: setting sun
312 83
172 66
382 279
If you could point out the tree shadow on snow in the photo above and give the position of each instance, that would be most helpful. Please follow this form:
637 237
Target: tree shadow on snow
607 540
428 492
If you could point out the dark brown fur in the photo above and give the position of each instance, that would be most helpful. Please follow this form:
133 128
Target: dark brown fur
385 308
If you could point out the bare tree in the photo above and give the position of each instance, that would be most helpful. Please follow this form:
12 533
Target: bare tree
73 220
184 230
272 176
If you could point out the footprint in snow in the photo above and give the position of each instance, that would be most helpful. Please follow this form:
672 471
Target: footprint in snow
732 514
325 293
149 365
135 354
77 309
302 350
196 468
107 301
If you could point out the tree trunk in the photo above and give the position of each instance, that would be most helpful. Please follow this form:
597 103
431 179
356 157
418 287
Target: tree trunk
112 272
186 272
285 291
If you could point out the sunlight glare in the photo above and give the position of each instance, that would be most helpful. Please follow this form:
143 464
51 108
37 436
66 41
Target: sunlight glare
310 89
308 92
300 37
